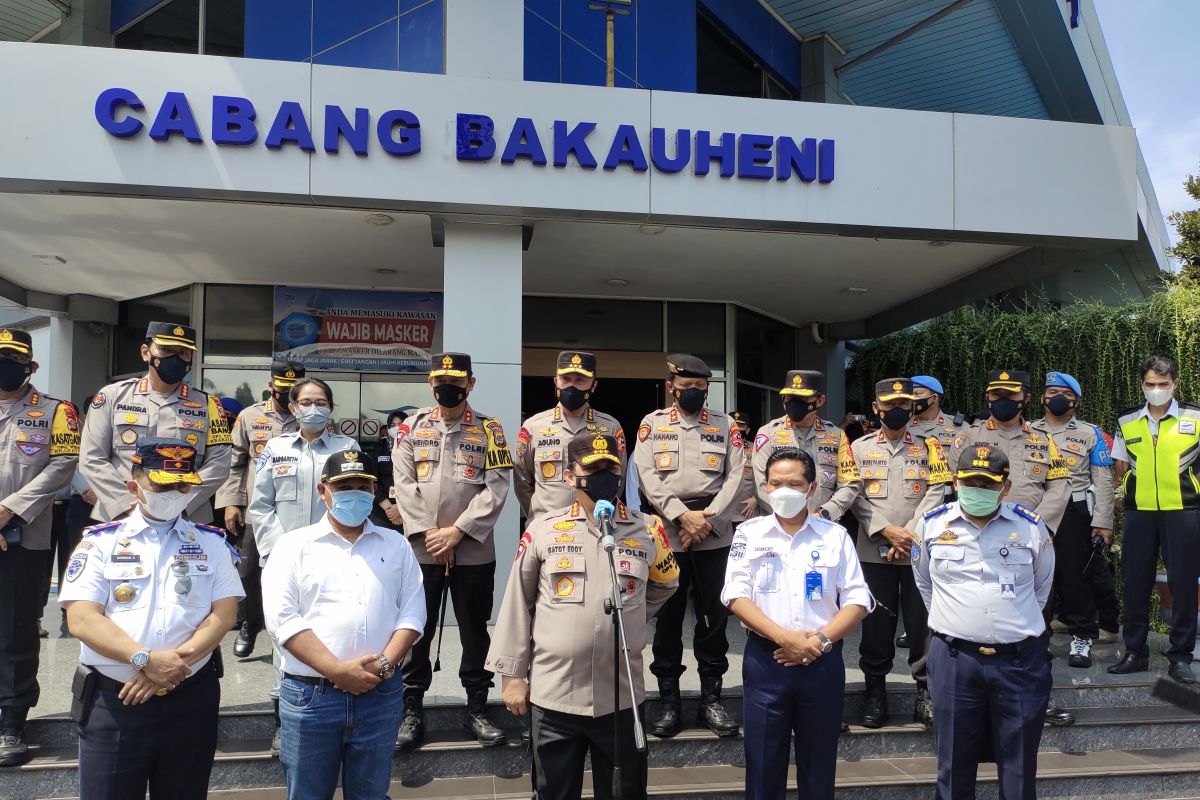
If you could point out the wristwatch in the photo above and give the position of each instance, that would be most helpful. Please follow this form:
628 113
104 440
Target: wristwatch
141 658
386 670
826 645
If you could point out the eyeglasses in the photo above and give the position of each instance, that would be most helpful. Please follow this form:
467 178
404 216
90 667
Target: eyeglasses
183 582
313 403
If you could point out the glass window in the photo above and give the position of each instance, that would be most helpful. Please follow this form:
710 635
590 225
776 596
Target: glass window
237 320
174 28
247 386
225 28
725 67
381 396
699 329
564 322
765 348
132 318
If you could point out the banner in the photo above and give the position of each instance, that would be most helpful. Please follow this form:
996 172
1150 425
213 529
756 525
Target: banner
356 329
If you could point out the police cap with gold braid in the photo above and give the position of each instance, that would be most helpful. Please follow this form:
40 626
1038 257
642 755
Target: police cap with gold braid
576 361
894 389
981 459
453 365
16 341
804 383
167 462
682 365
171 334
1009 380
284 374
345 464
587 448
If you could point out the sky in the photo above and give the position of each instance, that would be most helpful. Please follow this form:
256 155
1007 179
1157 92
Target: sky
1155 49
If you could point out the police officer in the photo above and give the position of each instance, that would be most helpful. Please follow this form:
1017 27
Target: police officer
984 568
748 505
254 427
803 394
149 598
690 461
453 468
386 512
928 416
1087 524
794 581
40 437
158 404
904 474
540 465
1155 451
558 587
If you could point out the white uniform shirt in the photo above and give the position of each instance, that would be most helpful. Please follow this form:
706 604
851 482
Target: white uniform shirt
285 485
352 596
770 568
1119 453
133 555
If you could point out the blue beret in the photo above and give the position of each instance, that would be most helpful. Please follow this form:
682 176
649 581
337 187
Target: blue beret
929 382
1064 380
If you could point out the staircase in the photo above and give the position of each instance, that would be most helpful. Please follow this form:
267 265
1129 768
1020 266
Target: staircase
1124 744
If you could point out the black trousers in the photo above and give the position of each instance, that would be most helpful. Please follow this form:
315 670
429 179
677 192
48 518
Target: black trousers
250 571
1072 550
61 545
21 574
560 742
893 586
1177 535
470 588
166 744
703 571
1104 590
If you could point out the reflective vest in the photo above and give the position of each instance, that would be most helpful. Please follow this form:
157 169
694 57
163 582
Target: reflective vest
1162 473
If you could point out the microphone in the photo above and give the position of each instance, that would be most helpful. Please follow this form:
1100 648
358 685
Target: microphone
603 513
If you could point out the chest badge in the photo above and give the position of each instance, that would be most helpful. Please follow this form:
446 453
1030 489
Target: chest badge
565 525
564 563
565 587
948 537
549 470
124 592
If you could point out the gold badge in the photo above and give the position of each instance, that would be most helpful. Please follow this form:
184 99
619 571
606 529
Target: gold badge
289 374
874 454
178 331
549 470
447 362
123 542
665 460
576 360
564 563
564 538
631 543
124 593
873 487
423 469
713 461
910 474
1003 376
797 382
948 536
192 439
139 571
565 587
128 436
130 419
565 525
599 445
6 335
897 386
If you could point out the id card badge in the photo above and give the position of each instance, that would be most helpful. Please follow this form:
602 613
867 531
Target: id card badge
884 549
1008 586
814 585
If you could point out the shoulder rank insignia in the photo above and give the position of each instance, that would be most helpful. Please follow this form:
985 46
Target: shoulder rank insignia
101 528
1027 513
631 543
933 512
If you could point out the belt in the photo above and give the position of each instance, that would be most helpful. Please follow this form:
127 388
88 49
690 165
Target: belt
1009 649
310 680
1079 496
698 503
111 685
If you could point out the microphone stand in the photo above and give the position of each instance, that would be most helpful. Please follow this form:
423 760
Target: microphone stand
613 607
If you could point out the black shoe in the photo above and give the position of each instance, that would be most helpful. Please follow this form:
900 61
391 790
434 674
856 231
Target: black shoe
667 725
1058 717
477 725
243 645
277 743
13 750
1181 673
875 713
923 710
412 729
1129 663
902 641
711 713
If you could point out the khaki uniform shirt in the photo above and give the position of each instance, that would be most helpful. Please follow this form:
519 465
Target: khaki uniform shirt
452 473
125 413
746 492
680 459
1086 456
255 426
541 457
552 628
900 482
945 428
834 488
40 440
1035 468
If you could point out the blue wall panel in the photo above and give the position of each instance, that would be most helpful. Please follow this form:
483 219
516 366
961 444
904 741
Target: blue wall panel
542 61
378 48
279 29
335 21
581 66
666 45
123 12
761 34
421 41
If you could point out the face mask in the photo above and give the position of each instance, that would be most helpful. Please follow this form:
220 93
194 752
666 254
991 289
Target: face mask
393 432
1004 408
281 402
13 375
573 398
170 368
787 502
1059 405
603 485
352 507
922 405
896 418
164 505
448 395
978 502
798 410
313 418
690 400
1158 397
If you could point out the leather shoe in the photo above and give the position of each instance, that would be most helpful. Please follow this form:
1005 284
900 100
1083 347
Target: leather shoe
875 710
1129 663
902 641
13 750
668 723
1057 717
1181 673
243 645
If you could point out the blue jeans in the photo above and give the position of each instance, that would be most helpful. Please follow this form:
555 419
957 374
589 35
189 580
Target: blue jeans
327 733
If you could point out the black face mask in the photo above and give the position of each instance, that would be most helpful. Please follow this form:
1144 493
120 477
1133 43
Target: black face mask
896 418
922 405
604 485
1005 408
691 400
798 409
13 375
1059 405
171 369
281 402
448 395
573 398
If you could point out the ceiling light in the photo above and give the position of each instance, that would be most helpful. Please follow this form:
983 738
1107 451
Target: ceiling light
379 219
617 282
49 259
855 290
652 230
939 243
385 271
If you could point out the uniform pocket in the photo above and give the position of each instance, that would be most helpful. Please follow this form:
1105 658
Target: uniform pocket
298 694
765 571
568 587
632 573
666 457
946 562
548 464
287 486
127 591
126 436
712 457
425 459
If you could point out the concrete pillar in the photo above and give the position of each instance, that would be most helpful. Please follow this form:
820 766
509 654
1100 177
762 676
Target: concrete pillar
482 309
54 376
87 24
819 57
485 39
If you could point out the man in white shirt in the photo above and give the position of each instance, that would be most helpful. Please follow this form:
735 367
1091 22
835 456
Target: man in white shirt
795 582
344 600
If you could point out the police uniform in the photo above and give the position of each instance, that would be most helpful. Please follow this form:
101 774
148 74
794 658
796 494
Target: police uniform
542 444
130 411
553 630
40 440
454 473
1085 455
946 427
901 480
800 582
747 493
253 428
157 582
834 489
385 486
989 667
692 463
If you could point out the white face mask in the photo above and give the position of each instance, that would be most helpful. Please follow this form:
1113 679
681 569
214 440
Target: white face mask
313 418
164 505
787 502
393 432
1158 397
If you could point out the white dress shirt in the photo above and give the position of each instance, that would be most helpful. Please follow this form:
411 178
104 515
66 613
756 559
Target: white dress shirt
352 596
769 567
1119 453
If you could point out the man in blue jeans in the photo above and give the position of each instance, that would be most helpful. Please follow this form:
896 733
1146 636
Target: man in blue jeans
343 598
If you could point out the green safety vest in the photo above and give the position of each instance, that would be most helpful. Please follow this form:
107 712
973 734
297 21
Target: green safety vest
1162 473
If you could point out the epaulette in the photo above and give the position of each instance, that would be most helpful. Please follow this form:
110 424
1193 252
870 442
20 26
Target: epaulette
233 551
101 528
211 529
1027 513
933 512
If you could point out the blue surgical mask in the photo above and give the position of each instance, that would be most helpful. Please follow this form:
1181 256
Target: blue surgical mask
977 501
352 507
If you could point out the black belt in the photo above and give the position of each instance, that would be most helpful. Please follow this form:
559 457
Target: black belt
110 685
1009 649
761 641
310 680
699 503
